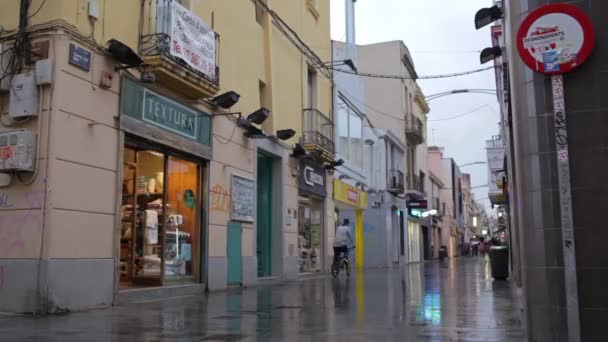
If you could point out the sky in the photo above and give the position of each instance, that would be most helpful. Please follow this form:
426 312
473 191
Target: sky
442 39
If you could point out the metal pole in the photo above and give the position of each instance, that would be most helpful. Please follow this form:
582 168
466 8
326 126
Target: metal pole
565 199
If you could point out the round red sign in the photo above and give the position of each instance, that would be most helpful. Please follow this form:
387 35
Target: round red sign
555 39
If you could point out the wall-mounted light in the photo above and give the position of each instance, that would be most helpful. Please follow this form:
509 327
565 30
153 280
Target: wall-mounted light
129 60
334 164
124 55
226 100
486 16
299 152
259 116
490 54
285 134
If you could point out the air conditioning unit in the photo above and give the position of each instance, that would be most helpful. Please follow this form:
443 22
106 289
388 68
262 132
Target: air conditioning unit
17 151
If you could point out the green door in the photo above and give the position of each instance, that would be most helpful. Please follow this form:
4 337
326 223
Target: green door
235 266
264 217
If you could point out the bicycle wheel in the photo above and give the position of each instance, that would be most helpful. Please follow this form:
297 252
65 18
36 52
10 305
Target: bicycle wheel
347 268
334 270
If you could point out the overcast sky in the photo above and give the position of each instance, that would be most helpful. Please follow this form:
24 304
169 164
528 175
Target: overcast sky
442 39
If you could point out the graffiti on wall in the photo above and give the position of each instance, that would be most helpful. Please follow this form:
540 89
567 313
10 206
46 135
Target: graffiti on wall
12 237
220 199
4 201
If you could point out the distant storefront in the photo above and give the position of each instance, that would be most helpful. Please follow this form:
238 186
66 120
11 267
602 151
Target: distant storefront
312 192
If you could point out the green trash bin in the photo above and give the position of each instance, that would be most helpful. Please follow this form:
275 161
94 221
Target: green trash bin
499 260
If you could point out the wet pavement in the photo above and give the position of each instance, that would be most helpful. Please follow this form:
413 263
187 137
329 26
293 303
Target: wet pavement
455 300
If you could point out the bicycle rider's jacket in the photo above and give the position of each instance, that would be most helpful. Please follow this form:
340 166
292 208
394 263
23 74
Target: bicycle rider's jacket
344 236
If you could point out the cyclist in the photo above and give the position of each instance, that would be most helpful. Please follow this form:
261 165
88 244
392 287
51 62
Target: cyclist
344 239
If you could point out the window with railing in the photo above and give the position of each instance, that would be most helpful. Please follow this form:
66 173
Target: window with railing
396 180
170 30
350 134
318 130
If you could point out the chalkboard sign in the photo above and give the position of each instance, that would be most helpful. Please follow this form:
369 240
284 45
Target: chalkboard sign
243 197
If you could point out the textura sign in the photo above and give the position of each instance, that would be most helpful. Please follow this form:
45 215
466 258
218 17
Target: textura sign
555 39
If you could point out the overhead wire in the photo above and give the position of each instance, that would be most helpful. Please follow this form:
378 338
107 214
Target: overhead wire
38 10
400 77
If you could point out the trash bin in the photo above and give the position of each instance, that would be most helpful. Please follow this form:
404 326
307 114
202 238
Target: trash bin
443 252
499 260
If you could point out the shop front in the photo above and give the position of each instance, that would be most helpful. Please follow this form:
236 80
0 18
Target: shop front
164 170
312 192
350 202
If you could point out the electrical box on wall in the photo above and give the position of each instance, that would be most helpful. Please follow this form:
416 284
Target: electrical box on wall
44 72
93 9
23 100
5 57
17 151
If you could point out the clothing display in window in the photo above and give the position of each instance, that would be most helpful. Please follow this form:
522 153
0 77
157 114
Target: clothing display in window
151 227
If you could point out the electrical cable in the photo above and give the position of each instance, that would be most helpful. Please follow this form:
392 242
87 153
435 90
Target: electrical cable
460 115
399 77
38 10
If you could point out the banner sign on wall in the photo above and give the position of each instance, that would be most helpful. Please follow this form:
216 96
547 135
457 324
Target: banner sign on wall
192 40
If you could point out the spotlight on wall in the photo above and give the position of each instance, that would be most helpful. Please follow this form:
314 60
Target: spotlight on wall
123 54
226 100
490 54
299 152
259 116
250 130
486 16
285 134
334 164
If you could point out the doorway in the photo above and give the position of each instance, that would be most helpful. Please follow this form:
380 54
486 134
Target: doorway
425 243
264 215
161 217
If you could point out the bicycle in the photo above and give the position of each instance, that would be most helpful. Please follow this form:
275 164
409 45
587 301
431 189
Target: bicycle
342 263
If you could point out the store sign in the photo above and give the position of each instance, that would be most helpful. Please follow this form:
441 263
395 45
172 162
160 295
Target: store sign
160 111
350 195
243 199
556 38
192 40
423 204
170 115
312 179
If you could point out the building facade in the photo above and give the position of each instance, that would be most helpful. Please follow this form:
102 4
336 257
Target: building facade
398 106
562 276
143 176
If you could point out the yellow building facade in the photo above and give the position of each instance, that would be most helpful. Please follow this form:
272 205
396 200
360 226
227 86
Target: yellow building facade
162 158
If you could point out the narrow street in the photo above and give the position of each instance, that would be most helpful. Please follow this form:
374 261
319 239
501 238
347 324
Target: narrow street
450 301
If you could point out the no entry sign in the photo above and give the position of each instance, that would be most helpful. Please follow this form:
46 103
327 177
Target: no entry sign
555 39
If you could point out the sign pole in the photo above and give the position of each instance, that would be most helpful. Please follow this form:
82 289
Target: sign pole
565 199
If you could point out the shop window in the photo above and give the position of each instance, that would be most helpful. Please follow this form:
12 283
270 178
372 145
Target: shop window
161 218
310 234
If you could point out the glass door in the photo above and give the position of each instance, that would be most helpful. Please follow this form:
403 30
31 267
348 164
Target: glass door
150 198
182 220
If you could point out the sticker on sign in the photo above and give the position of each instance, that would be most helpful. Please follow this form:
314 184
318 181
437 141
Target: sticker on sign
555 39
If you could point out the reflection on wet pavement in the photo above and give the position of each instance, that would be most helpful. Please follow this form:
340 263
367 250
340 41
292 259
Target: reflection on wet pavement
455 300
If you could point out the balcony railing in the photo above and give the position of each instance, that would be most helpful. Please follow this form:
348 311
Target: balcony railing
396 181
318 133
194 58
414 129
414 183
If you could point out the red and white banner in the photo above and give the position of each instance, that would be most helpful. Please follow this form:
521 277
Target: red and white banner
192 40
